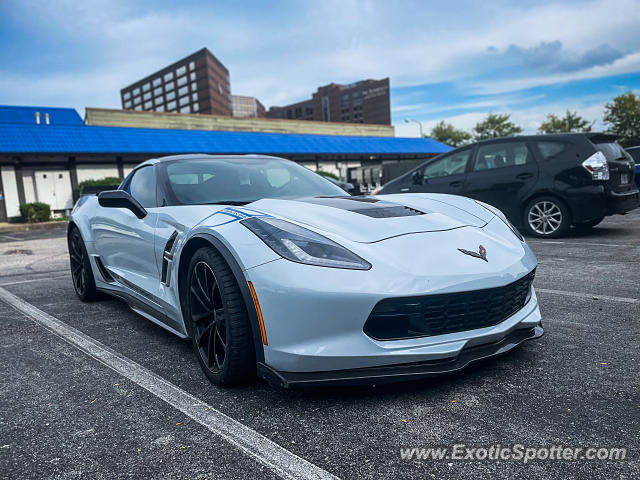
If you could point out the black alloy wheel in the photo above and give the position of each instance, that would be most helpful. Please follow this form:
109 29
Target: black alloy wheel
208 317
81 273
217 320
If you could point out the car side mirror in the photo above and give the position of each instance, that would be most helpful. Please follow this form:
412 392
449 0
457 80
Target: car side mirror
417 177
121 199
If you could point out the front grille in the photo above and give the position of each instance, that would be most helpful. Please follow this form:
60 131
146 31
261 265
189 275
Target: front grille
429 315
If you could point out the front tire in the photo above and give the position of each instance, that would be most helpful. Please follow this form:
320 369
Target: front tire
81 273
547 217
218 321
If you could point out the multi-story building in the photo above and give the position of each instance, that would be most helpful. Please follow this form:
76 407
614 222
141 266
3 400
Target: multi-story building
367 101
247 107
198 83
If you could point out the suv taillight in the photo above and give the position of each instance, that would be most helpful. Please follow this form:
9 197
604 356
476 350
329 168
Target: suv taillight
597 166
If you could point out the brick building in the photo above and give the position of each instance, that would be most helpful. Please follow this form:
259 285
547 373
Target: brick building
199 83
366 101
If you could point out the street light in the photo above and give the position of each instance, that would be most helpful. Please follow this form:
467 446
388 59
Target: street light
407 120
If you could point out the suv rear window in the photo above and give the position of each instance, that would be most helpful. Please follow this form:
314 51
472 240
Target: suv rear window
549 150
611 151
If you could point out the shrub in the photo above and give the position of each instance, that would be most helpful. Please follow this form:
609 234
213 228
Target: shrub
35 212
101 182
327 174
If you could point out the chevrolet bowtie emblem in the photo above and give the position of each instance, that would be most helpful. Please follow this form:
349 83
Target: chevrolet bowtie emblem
481 253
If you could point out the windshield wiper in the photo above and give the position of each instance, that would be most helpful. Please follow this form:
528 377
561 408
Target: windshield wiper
227 202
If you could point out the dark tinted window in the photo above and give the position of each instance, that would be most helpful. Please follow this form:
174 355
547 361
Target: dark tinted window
550 150
202 181
500 155
635 153
142 187
448 165
611 151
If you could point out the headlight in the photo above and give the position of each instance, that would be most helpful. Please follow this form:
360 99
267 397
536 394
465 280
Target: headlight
303 246
501 216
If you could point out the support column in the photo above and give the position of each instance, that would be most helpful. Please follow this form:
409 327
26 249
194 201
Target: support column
73 176
3 208
17 163
120 166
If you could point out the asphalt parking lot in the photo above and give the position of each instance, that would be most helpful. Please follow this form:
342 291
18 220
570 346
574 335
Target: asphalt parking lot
65 414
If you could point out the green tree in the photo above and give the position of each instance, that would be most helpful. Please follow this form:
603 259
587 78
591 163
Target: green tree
450 135
622 118
495 125
571 122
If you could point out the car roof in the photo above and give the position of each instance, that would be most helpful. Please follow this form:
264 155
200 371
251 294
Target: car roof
597 137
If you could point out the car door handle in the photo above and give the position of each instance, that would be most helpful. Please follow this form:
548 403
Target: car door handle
524 176
456 184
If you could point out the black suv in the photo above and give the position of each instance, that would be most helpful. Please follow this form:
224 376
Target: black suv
544 183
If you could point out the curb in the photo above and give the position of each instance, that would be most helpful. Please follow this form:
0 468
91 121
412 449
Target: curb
24 227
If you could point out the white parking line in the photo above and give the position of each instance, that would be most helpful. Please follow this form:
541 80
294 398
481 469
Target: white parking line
10 237
41 279
278 459
591 296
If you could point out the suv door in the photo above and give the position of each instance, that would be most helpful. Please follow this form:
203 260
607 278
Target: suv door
503 174
445 174
125 242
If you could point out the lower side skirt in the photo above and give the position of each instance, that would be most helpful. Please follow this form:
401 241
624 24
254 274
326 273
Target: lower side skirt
402 372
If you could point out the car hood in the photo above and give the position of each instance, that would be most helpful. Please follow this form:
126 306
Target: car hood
372 219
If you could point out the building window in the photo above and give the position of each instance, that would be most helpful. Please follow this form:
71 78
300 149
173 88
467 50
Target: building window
169 86
146 87
127 104
194 97
181 71
157 91
171 95
171 106
158 100
136 91
192 76
194 87
160 108
147 96
168 76
157 82
298 112
148 105
357 99
183 91
325 109
192 65
137 100
126 95
195 107
184 101
308 111
138 107
182 81
186 109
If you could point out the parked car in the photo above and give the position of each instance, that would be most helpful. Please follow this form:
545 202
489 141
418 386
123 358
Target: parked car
543 183
635 154
273 271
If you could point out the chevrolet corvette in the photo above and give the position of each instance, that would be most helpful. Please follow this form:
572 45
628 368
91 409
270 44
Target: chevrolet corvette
273 271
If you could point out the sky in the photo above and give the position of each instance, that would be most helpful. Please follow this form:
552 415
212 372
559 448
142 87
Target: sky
447 60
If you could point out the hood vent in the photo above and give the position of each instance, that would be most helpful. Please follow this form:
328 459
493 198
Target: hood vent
371 207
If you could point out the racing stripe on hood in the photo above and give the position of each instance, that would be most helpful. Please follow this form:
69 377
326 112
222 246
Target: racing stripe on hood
369 206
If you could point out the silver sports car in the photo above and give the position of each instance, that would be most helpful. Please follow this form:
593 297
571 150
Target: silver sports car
273 270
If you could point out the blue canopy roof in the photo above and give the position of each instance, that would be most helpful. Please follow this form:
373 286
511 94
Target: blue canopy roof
57 138
27 115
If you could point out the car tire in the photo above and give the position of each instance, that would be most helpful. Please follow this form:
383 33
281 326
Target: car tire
589 224
546 217
217 320
81 273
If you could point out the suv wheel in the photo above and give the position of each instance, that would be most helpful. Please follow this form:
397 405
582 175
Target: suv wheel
547 217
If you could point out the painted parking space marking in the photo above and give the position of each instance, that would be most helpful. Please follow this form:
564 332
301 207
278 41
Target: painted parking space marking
279 460
31 280
591 296
580 244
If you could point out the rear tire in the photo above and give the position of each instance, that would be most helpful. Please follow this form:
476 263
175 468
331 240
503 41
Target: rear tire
217 320
546 217
81 273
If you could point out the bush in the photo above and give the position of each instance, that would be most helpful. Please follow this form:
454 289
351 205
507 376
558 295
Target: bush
101 182
35 212
327 174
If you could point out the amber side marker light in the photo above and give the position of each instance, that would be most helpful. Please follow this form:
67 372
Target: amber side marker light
257 304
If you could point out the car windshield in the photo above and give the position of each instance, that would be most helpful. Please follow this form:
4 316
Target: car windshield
241 180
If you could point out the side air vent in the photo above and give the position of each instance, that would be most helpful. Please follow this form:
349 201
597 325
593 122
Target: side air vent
103 270
167 258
